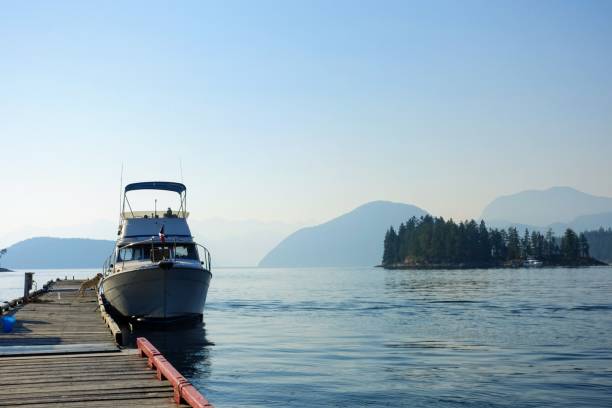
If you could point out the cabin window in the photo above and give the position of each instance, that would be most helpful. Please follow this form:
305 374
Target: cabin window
126 254
135 253
160 253
157 252
185 251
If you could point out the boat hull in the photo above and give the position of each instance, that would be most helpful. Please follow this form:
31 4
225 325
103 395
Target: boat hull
158 292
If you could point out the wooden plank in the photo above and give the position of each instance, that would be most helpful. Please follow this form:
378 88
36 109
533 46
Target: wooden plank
101 364
9 383
76 359
90 388
57 349
69 371
108 397
160 402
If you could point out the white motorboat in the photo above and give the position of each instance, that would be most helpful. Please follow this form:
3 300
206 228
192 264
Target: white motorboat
157 271
533 263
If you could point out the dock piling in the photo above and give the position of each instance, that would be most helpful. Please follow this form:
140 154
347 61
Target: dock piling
27 285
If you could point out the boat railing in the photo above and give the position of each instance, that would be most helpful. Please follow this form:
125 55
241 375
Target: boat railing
153 214
108 264
206 262
205 258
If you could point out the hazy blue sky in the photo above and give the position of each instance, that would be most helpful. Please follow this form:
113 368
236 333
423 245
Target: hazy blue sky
299 111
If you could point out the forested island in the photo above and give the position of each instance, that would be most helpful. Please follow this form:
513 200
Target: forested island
431 242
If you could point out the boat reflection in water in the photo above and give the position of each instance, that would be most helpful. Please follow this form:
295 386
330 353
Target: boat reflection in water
183 344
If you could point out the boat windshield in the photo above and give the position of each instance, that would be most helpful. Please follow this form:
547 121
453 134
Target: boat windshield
157 252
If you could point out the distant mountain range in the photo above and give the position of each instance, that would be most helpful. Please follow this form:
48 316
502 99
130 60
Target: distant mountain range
51 253
557 207
579 224
589 222
231 242
356 238
239 242
353 239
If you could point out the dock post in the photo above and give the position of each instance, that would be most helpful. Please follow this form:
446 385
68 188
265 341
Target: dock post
27 285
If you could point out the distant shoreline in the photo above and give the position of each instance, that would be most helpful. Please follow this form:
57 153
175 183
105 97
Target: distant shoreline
5 270
586 262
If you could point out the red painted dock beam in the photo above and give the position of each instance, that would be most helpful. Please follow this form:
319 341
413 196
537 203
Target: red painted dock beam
183 390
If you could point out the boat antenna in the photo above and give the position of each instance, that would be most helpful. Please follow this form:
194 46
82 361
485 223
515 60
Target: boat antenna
120 190
181 167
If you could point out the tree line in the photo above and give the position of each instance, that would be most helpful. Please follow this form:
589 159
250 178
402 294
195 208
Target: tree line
435 241
600 242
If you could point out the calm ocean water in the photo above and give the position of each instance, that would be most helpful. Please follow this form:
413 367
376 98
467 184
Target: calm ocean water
370 337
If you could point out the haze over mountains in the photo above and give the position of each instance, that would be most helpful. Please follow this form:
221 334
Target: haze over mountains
348 240
239 242
557 208
352 239
51 253
232 242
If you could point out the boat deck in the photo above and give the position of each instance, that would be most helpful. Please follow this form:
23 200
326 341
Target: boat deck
61 353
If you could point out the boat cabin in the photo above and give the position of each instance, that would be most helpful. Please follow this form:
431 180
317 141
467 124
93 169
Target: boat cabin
169 225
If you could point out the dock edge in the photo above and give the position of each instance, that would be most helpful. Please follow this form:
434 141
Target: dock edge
110 322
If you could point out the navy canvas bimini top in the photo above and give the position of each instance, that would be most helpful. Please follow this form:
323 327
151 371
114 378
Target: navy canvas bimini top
157 185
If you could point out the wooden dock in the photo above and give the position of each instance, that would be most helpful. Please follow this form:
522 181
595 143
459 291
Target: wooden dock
62 352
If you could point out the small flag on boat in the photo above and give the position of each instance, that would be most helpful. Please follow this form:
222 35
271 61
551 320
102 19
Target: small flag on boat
162 234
